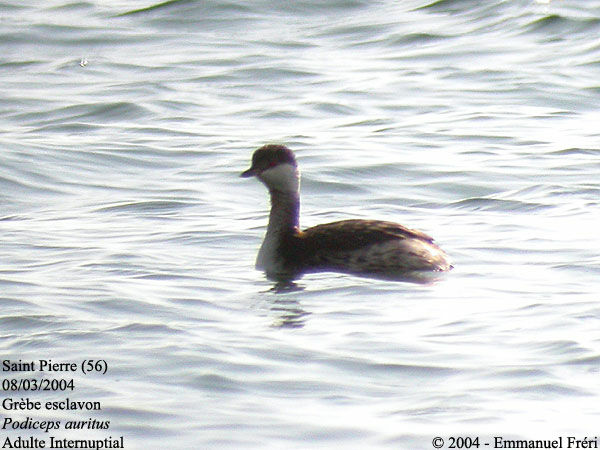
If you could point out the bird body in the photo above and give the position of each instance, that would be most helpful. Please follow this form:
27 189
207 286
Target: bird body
363 247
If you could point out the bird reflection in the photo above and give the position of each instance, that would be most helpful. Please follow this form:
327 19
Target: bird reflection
289 313
284 286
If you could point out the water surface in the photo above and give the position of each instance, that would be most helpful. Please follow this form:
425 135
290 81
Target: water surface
128 236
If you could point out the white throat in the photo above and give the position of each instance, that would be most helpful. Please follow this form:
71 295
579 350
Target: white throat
283 177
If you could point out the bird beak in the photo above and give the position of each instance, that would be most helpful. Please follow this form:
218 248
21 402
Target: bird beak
248 173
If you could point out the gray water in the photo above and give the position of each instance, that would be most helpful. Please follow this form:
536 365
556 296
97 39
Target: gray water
128 236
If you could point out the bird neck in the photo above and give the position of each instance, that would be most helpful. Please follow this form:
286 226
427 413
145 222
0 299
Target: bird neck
284 218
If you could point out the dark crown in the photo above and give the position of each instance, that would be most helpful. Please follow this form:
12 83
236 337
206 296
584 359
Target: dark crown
272 155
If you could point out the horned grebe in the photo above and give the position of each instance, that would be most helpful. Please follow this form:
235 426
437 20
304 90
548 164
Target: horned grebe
362 247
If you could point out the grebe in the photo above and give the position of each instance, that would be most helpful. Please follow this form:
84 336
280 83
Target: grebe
361 247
